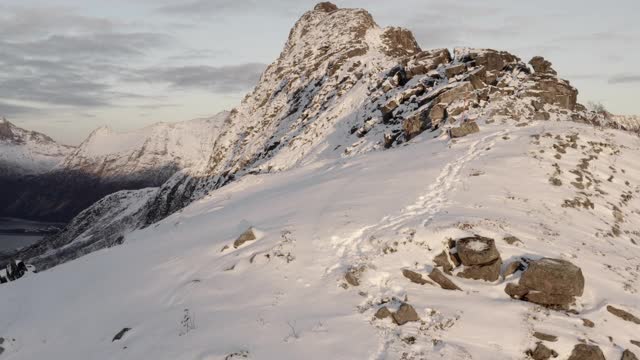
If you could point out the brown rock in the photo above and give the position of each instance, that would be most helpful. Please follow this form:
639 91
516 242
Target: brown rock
246 236
325 7
389 107
628 355
541 116
415 277
406 313
516 291
352 277
477 250
464 130
414 125
399 42
487 272
553 276
442 260
635 342
438 113
624 315
438 277
492 60
460 92
541 66
511 240
382 313
551 300
426 61
454 70
541 352
478 78
586 352
588 323
545 337
551 90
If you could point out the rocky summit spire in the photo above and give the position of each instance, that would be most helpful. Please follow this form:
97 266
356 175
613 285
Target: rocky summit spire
325 7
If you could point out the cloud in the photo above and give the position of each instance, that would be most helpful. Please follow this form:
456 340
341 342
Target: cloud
223 79
624 79
10 110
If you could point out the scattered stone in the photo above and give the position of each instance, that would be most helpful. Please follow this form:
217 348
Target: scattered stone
511 240
382 313
352 277
624 315
465 129
628 355
444 282
246 236
120 335
588 323
545 337
442 260
586 352
477 250
415 277
541 352
406 313
542 66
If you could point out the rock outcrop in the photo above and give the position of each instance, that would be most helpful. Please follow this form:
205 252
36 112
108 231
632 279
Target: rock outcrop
586 352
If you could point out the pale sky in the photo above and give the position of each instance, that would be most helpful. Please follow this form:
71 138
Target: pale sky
69 66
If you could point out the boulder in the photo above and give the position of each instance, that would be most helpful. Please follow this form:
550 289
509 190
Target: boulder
389 107
477 250
492 60
553 276
246 236
415 277
459 92
551 90
325 7
464 130
454 70
426 61
399 42
624 315
628 355
442 260
586 352
478 78
541 66
588 323
414 125
406 313
438 113
513 267
382 313
486 272
541 352
439 278
352 277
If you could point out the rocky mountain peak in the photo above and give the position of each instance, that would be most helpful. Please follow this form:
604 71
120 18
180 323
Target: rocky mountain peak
5 130
325 7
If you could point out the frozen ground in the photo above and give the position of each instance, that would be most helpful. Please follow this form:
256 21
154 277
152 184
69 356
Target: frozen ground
283 296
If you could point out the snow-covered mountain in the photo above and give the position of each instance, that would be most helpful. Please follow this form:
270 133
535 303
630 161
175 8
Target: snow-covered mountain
368 200
107 162
24 152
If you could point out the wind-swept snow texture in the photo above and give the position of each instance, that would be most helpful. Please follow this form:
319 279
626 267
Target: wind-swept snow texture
187 293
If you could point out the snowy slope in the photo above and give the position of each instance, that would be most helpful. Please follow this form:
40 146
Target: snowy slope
281 296
24 152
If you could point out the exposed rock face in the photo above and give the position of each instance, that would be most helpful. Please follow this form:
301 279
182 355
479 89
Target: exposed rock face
491 60
541 66
553 91
549 282
399 42
586 352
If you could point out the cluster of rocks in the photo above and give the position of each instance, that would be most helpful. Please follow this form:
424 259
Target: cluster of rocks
14 270
478 256
405 313
431 88
549 282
